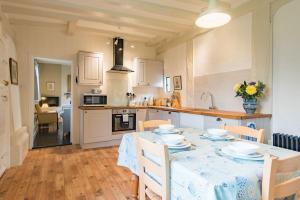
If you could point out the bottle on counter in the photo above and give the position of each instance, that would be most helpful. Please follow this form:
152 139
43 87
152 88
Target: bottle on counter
164 102
168 102
151 101
145 102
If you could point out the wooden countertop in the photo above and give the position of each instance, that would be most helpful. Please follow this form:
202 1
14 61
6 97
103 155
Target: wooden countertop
111 107
197 111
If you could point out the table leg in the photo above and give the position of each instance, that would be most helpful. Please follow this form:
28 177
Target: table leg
134 186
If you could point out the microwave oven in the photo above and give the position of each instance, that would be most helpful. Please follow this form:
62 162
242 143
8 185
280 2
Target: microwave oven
94 99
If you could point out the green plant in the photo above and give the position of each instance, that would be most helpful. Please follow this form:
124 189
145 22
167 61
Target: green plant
250 90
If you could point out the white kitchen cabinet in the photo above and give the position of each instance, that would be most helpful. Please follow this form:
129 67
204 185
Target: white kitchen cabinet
141 115
154 73
148 72
188 120
173 116
154 114
97 126
216 122
90 68
140 72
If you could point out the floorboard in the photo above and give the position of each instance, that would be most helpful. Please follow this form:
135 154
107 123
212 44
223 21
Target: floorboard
67 172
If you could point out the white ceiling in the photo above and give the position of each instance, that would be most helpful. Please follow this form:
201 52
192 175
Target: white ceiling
150 21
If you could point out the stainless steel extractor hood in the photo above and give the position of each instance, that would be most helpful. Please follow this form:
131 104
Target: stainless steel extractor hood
118 52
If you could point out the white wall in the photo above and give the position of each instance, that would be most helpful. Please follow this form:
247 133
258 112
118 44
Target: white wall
224 49
49 43
65 71
175 65
286 63
8 50
222 58
50 73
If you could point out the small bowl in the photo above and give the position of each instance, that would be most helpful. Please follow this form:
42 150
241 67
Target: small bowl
166 127
217 132
244 148
172 139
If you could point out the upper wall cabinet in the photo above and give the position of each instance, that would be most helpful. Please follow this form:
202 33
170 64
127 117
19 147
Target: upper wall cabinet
148 72
90 68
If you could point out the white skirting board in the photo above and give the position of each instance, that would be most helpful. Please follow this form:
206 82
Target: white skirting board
19 148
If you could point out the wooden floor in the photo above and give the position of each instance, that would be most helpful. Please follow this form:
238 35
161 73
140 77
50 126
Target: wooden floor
67 172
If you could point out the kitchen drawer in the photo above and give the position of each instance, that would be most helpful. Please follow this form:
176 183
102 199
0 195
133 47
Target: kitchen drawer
191 121
154 114
173 116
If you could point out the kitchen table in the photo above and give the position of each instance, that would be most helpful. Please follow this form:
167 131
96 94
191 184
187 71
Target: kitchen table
203 172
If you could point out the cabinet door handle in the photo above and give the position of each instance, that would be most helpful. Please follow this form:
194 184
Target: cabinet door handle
170 113
219 119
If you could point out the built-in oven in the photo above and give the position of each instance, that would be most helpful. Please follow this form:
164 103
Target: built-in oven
123 120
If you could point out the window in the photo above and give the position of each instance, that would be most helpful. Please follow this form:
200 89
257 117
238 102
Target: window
167 84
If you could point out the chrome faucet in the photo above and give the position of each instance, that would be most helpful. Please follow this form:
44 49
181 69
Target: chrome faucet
204 97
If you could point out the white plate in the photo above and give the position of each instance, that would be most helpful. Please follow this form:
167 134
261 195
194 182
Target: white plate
213 137
172 139
217 132
161 131
182 145
166 126
229 152
244 147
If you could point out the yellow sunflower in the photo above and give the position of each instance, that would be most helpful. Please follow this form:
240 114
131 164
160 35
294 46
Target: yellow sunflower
251 90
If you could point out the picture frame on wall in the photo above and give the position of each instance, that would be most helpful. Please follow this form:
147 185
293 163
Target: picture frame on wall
50 86
177 83
13 68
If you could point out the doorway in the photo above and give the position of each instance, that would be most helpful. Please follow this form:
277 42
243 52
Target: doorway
286 69
52 103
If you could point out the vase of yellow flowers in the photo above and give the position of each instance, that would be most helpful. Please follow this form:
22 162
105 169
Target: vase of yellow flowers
249 92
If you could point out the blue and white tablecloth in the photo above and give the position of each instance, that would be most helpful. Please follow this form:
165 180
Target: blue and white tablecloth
204 173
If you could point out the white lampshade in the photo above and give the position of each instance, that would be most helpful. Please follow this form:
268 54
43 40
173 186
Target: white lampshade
214 16
213 19
45 105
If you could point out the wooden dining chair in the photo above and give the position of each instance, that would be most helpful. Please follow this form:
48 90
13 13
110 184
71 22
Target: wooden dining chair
246 131
274 166
148 185
152 124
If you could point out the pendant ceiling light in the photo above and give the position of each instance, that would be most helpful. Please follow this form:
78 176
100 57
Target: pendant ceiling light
213 17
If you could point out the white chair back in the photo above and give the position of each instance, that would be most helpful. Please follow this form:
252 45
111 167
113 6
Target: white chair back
246 131
150 168
274 166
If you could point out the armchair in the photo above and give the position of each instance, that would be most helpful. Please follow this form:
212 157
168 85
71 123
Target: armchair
45 117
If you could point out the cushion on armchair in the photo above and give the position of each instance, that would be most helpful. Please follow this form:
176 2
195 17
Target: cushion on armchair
38 108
